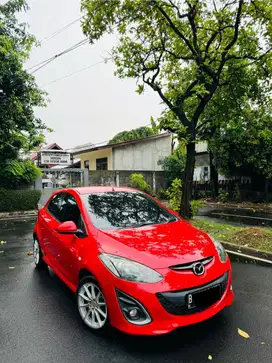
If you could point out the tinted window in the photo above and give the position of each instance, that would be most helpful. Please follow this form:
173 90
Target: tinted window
113 210
55 205
69 210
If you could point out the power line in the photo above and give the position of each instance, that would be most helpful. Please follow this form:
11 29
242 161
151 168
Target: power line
75 46
57 32
73 73
51 59
47 61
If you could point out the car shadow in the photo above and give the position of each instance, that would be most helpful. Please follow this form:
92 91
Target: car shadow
209 336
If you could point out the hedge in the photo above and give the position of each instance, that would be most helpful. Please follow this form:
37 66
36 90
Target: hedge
19 200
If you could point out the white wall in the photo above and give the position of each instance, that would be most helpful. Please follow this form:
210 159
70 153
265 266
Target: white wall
201 147
142 155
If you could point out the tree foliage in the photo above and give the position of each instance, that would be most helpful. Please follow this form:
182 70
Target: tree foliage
244 146
173 165
184 50
19 94
139 133
18 172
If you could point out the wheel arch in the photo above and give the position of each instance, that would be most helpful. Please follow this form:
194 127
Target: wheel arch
84 272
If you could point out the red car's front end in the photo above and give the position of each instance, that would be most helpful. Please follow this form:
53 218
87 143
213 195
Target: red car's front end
195 281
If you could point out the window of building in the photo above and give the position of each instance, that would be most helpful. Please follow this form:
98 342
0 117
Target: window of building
102 164
86 164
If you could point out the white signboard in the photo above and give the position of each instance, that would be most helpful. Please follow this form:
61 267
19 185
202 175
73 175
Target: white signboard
55 158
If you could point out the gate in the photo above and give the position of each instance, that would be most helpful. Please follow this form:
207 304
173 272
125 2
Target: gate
55 179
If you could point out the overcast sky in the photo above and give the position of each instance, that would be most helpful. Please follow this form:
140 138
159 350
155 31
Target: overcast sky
90 106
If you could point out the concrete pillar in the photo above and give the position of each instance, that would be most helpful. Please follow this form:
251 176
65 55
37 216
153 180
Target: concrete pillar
117 178
86 177
38 184
154 181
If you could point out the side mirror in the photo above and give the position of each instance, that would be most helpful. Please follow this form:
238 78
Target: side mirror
67 228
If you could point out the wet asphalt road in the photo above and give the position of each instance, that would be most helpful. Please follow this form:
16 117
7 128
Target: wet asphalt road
39 322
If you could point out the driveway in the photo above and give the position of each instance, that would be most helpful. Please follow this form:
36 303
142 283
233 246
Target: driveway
39 322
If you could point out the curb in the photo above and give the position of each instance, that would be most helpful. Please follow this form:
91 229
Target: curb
248 255
18 215
265 210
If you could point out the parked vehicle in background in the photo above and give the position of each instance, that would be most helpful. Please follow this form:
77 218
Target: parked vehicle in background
133 263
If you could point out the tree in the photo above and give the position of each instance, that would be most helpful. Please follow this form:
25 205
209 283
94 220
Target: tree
173 165
248 93
134 134
244 146
183 49
19 94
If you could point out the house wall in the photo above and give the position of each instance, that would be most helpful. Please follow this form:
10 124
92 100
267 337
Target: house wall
93 155
201 147
142 155
201 162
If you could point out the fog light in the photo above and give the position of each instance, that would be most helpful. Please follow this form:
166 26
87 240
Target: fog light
133 313
132 309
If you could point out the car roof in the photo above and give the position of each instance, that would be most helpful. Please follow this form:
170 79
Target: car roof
97 189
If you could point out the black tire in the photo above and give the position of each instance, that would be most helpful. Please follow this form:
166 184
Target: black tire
92 307
37 254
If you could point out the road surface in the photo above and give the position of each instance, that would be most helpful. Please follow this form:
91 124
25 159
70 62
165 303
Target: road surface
39 322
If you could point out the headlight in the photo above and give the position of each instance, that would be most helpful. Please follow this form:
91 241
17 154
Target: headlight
220 250
129 270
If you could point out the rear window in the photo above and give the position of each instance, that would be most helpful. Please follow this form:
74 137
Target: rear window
115 210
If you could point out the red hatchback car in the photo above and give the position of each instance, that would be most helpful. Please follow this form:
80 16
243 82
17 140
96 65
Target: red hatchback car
133 263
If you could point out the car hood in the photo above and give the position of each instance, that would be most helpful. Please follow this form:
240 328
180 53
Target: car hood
158 246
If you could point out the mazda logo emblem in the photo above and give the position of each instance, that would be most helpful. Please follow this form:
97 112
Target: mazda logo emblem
198 268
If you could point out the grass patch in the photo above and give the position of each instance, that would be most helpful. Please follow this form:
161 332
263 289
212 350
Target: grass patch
255 237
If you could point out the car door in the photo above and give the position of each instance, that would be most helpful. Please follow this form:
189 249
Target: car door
69 245
49 221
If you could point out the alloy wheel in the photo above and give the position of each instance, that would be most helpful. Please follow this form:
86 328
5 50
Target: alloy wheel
36 252
92 305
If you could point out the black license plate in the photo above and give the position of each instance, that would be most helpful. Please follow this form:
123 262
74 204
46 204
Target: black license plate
204 298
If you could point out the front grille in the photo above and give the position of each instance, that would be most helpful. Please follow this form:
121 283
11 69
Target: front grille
195 300
189 266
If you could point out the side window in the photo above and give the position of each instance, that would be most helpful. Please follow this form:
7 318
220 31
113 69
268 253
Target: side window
55 205
70 210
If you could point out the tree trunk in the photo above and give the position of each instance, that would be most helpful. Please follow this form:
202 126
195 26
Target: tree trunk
187 182
213 177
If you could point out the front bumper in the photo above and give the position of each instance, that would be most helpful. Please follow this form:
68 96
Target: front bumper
155 299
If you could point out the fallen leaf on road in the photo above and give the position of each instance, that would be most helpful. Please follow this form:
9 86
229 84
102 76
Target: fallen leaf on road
210 357
262 343
11 267
30 253
1 251
243 334
3 242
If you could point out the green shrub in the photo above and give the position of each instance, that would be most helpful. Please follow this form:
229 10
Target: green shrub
18 200
173 165
223 196
137 181
237 194
162 194
18 172
174 194
195 206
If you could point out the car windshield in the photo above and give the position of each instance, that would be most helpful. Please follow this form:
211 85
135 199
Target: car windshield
116 210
